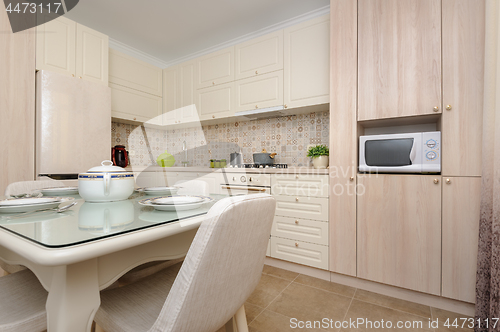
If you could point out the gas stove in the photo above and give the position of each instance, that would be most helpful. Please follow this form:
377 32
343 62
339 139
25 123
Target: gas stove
259 166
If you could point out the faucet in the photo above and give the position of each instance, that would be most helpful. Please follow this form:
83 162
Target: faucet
184 148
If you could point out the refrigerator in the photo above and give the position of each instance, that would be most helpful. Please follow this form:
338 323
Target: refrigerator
73 125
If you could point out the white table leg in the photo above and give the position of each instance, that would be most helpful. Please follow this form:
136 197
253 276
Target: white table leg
73 297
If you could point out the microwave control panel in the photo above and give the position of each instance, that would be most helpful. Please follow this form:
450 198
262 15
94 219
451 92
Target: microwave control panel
431 151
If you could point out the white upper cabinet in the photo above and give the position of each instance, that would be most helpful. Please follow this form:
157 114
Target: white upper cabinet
216 102
135 105
307 63
133 73
259 56
215 68
259 92
91 54
69 48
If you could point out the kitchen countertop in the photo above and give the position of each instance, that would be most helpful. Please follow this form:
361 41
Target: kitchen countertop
289 170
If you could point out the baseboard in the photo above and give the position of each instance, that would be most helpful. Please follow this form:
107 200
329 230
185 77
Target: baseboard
302 269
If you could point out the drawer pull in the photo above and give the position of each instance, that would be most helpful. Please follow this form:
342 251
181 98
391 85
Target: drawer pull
296 176
297 199
296 222
296 244
243 188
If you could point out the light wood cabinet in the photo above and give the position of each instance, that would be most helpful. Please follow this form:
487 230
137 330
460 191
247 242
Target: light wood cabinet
307 63
300 252
134 105
133 73
399 58
259 56
259 92
461 213
463 87
300 185
215 68
69 48
215 102
399 231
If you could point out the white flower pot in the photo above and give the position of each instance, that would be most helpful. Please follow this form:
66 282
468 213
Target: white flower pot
320 162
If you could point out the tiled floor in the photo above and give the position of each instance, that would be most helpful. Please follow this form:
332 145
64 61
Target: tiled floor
282 295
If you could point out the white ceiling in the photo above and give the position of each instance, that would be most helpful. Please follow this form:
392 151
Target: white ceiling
171 31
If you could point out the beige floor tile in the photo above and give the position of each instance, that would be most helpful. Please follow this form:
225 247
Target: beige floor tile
267 290
273 322
375 313
393 303
277 272
444 316
310 304
325 285
252 311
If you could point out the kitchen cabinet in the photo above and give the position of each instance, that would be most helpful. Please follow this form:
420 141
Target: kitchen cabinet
133 73
399 231
300 252
179 94
302 207
259 92
312 231
399 58
69 48
134 105
216 102
215 68
463 87
461 213
259 56
299 185
213 179
307 63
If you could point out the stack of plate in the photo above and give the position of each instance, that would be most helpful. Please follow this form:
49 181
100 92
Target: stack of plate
59 191
31 204
157 191
176 203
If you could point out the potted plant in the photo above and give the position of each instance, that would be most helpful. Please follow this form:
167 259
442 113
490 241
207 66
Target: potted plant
212 163
319 155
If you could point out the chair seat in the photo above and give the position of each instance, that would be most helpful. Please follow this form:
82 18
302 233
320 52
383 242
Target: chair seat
22 303
140 303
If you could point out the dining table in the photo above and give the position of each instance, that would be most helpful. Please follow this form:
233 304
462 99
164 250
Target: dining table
79 252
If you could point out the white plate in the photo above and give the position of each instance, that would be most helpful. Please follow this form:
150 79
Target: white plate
156 191
177 200
33 207
28 201
60 191
176 207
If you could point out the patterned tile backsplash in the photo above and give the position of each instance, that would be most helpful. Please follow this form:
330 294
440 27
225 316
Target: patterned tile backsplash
288 136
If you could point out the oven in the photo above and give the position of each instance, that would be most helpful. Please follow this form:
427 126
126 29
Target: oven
246 183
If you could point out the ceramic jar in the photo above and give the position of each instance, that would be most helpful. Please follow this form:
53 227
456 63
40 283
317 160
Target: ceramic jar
106 183
320 162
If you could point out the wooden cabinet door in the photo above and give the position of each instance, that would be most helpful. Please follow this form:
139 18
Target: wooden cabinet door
259 56
463 86
187 111
56 46
399 58
134 105
135 74
215 68
461 212
307 63
215 102
91 55
259 92
399 231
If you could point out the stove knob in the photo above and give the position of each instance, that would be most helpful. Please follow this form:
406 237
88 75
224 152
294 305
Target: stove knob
249 179
243 179
234 179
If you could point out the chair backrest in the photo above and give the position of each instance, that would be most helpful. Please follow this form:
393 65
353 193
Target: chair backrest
28 187
193 187
223 265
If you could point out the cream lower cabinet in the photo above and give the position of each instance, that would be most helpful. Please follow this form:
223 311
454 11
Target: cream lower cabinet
461 213
215 102
259 92
167 178
399 231
300 227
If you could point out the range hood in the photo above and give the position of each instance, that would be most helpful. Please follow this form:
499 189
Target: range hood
262 113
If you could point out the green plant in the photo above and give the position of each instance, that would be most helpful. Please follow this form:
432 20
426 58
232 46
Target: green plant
317 151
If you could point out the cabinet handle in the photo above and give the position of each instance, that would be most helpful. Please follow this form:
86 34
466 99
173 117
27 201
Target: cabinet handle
296 176
256 106
285 106
213 116
213 83
135 118
448 181
296 222
297 199
448 107
256 72
436 181
351 178
436 109
296 244
73 75
79 77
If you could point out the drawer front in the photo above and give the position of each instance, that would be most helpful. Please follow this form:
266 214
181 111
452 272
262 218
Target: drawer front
314 255
299 185
301 229
302 207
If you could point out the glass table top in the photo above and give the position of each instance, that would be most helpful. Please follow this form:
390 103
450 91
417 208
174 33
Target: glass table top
87 221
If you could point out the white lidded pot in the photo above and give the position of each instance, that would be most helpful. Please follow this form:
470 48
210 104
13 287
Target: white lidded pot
106 183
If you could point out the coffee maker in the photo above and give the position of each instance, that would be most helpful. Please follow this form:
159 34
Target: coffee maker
119 156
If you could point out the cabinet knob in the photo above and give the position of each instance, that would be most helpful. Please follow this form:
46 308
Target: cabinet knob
448 107
436 181
73 75
436 109
213 83
296 244
285 106
297 177
256 106
135 118
351 178
296 222
297 199
448 181
213 116
256 72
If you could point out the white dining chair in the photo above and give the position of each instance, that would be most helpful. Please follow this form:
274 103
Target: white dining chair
192 187
222 268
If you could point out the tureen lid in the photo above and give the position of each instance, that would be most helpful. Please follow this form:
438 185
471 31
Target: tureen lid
106 168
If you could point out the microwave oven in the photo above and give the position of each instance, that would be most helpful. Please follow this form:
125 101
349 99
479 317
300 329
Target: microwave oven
401 153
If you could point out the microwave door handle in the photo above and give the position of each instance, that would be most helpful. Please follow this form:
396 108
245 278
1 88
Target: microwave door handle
413 152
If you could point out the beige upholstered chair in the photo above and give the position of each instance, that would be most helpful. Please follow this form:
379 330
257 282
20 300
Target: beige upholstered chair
221 270
22 303
193 187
